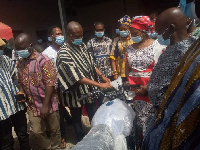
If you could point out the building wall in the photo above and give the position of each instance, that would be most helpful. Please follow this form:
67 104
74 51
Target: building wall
107 12
29 15
36 16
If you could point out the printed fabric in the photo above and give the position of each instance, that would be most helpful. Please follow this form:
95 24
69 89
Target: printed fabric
118 53
176 124
164 69
34 75
100 50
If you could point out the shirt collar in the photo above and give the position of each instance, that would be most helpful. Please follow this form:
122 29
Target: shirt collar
33 55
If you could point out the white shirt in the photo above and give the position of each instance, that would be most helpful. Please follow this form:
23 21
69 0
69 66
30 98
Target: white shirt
51 53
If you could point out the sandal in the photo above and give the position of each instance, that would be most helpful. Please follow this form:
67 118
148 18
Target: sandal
63 144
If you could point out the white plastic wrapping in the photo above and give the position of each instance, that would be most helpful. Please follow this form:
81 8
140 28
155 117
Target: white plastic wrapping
99 138
117 83
117 115
120 143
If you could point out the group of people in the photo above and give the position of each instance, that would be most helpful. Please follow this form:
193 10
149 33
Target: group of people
160 55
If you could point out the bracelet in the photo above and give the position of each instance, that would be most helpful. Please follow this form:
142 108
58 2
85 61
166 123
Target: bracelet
114 73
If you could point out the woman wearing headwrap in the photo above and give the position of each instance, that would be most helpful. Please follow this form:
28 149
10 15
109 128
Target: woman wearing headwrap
118 52
141 59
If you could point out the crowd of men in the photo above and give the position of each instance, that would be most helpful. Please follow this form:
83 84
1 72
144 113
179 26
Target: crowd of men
158 53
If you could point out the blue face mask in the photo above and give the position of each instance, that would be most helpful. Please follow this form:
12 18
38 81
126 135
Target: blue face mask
23 53
162 41
40 41
99 34
77 41
188 9
117 31
153 35
1 52
49 39
60 40
137 39
123 33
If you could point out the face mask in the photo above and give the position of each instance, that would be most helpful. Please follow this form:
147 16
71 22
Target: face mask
153 35
162 41
117 31
1 52
137 39
23 53
188 9
60 40
124 33
49 39
77 41
40 41
99 34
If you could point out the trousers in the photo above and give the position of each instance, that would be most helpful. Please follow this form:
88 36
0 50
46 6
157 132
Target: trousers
39 126
19 122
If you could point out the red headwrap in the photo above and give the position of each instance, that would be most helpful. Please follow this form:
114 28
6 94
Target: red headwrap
143 23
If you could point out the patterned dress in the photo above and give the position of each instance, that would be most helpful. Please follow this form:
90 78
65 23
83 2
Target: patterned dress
142 62
118 53
100 50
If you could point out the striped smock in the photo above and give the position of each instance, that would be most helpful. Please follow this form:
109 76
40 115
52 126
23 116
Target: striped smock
74 63
8 104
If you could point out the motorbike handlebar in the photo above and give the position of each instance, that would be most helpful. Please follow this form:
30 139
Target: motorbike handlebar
91 94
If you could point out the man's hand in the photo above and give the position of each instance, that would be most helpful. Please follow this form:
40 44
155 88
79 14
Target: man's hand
44 111
105 79
142 91
105 85
115 77
22 100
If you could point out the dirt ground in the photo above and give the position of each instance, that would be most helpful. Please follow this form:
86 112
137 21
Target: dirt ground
71 136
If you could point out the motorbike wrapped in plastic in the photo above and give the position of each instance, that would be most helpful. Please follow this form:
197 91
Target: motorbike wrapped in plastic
117 115
98 138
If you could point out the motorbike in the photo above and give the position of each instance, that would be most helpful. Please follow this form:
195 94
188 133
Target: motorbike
113 122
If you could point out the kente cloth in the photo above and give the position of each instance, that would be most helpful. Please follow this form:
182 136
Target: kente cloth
143 23
164 69
176 124
196 32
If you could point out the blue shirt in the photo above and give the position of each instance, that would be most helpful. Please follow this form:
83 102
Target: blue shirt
8 104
